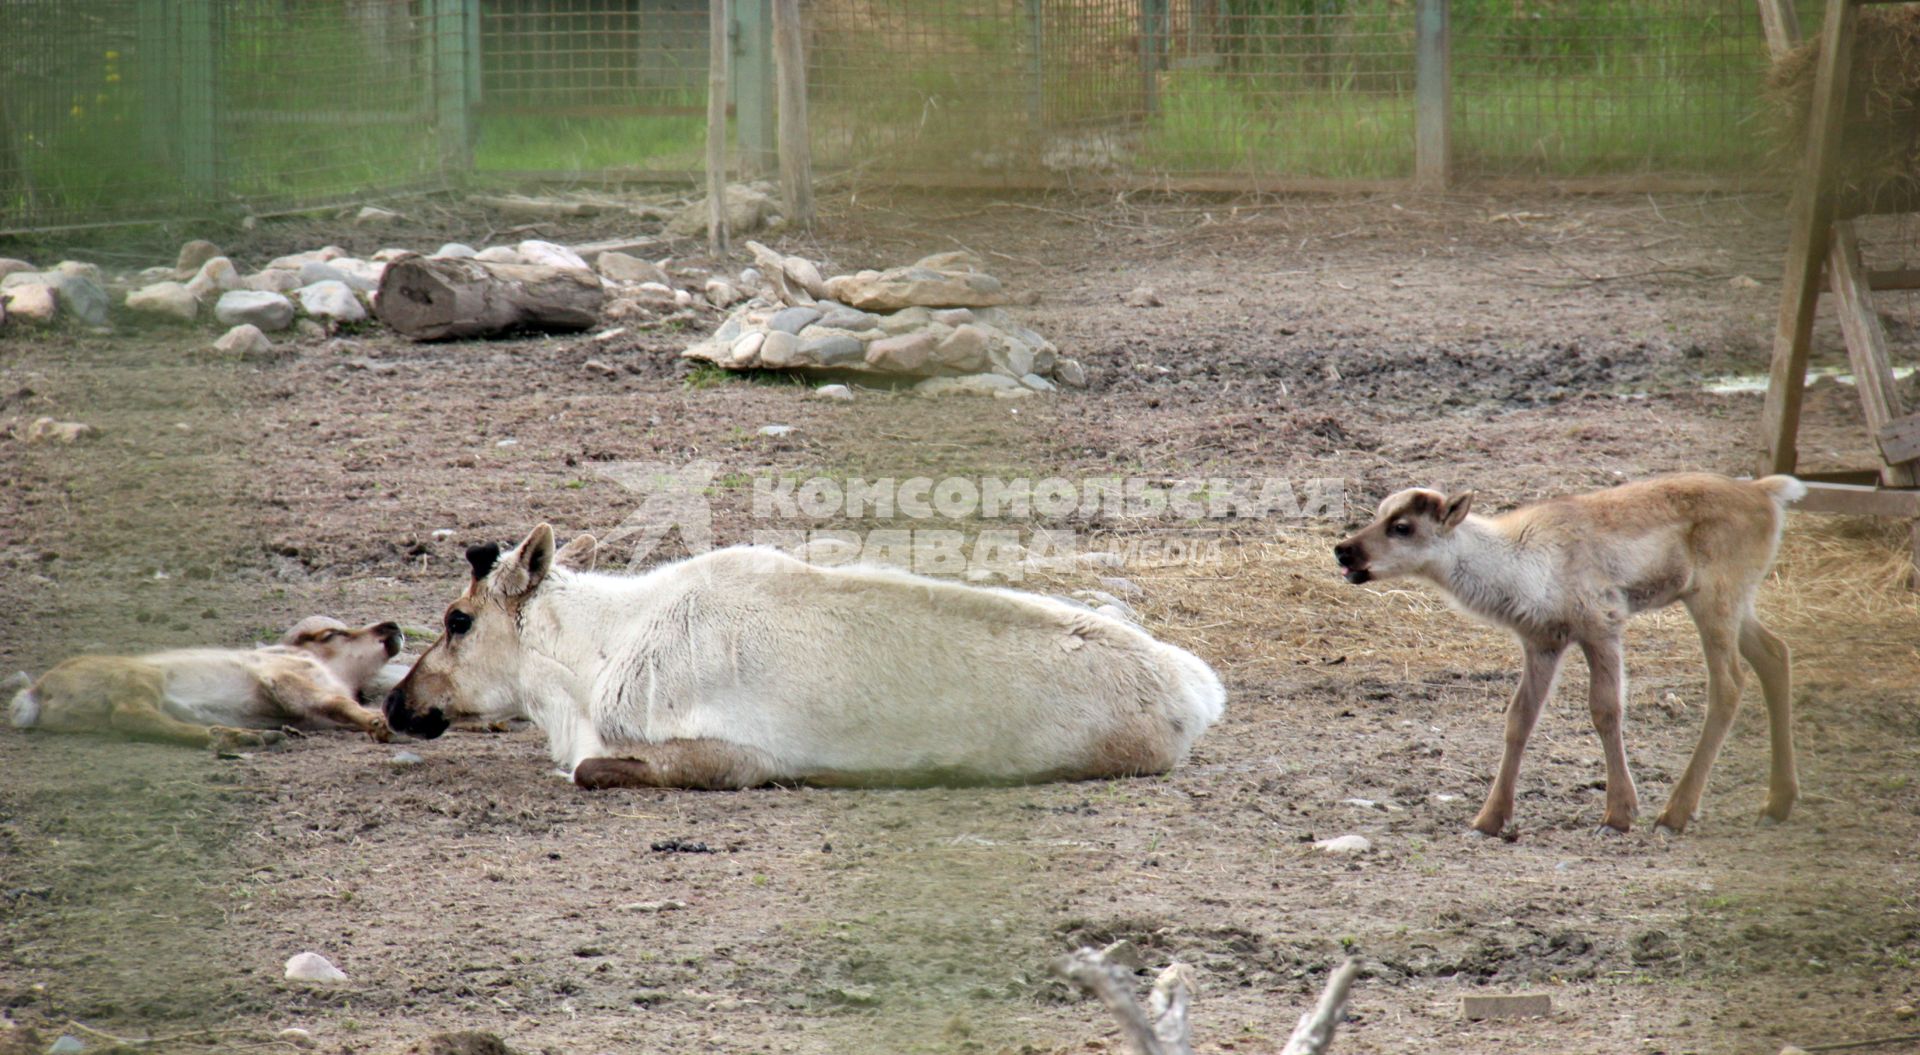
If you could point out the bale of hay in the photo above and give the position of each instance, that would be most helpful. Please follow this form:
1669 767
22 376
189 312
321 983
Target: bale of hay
1880 140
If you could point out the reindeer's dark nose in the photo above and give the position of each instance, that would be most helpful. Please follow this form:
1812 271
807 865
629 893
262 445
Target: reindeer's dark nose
1347 554
401 719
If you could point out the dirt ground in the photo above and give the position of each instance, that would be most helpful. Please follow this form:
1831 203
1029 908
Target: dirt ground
1520 348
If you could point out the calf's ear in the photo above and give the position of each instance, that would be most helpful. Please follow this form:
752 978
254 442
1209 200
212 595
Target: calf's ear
1456 509
579 554
522 569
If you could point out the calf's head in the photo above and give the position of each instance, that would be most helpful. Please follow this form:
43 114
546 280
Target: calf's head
475 670
354 656
1407 531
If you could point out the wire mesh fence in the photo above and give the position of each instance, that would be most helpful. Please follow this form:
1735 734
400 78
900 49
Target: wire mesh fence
118 109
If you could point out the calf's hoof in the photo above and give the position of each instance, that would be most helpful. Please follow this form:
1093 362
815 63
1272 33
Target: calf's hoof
379 731
224 739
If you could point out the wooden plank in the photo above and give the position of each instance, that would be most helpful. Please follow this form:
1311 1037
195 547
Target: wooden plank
719 50
1516 1005
753 92
1899 439
1781 23
1811 218
796 143
1894 278
199 157
1858 500
1433 96
1866 345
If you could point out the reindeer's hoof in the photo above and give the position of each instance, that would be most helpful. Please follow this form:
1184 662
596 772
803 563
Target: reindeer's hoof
1608 831
228 741
1666 831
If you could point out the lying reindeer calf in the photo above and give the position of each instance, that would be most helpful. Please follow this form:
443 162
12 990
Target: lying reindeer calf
218 697
1572 571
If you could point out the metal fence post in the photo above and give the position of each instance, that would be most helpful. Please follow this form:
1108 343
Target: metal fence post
1153 17
1433 90
475 86
199 143
448 88
155 71
753 95
1037 85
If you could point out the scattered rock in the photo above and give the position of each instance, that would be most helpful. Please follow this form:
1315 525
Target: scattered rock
309 330
908 353
243 340
748 208
192 256
80 269
74 294
745 351
595 366
854 995
832 349
965 349
906 287
403 759
1344 845
48 431
803 272
1036 382
375 216
654 906
534 251
272 280
296 1036
776 431
621 267
1124 953
165 299
313 967
780 350
269 311
33 303
1143 297
215 276
456 251
499 254
1744 282
792 320
719 291
331 300
316 271
292 261
1069 372
841 317
461 1042
390 254
834 393
971 385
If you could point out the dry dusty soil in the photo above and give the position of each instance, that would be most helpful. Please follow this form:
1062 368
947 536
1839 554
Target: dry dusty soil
1520 348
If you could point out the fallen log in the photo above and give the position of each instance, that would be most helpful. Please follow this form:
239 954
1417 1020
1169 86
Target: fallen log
438 298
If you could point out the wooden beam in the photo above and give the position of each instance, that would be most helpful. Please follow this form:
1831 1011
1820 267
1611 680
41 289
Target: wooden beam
1899 439
1894 278
1433 96
1858 500
719 50
1812 216
1866 345
1781 23
796 144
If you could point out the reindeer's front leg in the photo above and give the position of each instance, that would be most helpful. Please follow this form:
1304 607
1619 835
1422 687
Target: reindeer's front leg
1541 665
705 764
300 697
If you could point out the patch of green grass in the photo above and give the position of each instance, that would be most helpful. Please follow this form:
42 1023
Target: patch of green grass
519 143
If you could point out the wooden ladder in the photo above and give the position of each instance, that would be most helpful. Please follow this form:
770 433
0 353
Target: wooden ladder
1820 237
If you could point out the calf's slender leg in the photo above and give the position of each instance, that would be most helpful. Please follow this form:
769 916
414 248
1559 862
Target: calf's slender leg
1719 634
1606 698
710 765
1770 659
1541 665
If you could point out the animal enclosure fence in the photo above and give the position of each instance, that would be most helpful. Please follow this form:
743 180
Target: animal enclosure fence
113 110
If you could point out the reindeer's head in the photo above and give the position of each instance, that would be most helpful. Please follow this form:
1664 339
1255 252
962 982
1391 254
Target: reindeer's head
475 669
1407 531
354 656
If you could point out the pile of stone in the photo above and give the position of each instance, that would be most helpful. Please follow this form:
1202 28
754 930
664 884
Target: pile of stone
940 323
30 296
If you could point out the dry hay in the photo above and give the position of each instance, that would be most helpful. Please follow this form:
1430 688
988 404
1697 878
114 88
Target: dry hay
1880 143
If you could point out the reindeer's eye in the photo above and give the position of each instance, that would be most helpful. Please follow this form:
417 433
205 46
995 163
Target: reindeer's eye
459 622
1400 528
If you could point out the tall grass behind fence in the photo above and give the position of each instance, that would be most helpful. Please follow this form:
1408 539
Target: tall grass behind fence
118 110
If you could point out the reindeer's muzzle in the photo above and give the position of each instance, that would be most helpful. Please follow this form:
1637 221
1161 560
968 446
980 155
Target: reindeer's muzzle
1353 562
403 718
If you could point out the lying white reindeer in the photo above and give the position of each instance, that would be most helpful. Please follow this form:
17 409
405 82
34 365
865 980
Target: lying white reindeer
744 666
220 697
1572 571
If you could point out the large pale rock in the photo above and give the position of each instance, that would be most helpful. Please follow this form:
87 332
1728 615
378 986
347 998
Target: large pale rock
313 967
1069 372
456 250
622 267
793 320
972 385
33 303
906 287
272 280
243 340
192 256
907 321
215 276
964 350
779 350
499 254
832 349
81 269
389 254
909 353
292 261
802 271
550 254
268 311
76 295
170 300
47 430
745 350
720 292
748 209
331 300
375 216
315 272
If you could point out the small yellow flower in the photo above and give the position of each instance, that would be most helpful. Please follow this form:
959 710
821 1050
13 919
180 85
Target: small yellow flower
113 78
113 56
78 110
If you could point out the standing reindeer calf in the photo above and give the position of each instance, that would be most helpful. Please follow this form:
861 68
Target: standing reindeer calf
1572 571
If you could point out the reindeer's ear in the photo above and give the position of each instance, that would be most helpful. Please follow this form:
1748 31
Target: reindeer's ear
1456 510
527 564
579 554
